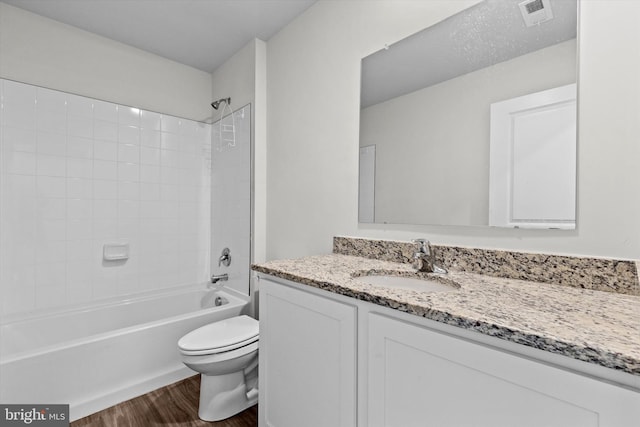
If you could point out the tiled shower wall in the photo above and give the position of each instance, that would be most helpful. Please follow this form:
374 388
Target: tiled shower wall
78 173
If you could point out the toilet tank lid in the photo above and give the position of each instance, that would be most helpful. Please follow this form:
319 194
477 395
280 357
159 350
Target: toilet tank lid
223 333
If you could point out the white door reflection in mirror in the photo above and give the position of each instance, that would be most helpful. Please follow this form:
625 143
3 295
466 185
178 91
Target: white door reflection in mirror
533 160
367 184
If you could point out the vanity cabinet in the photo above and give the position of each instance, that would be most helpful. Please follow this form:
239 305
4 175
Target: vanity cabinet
326 362
307 359
422 377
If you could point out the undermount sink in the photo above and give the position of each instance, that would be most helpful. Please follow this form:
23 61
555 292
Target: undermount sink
409 283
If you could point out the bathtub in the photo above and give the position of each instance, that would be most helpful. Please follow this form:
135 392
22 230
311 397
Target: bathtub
94 357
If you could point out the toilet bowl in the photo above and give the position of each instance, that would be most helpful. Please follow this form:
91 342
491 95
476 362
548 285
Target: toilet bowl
225 353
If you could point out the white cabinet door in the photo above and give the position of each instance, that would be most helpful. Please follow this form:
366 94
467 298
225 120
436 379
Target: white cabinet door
420 377
307 359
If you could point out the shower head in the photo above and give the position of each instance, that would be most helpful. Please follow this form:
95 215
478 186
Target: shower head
216 104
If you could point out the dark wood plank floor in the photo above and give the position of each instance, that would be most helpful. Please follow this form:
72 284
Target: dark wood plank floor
173 406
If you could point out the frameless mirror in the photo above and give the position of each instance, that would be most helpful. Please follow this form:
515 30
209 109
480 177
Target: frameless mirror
472 121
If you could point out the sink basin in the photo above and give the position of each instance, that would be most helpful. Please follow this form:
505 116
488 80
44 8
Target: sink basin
410 283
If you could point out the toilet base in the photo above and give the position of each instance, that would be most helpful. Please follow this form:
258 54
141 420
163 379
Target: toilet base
223 396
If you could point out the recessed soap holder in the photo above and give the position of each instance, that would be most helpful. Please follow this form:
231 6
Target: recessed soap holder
115 251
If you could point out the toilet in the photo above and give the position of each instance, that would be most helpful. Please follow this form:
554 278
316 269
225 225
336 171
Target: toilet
225 353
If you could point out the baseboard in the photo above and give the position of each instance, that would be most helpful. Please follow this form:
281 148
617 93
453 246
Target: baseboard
130 391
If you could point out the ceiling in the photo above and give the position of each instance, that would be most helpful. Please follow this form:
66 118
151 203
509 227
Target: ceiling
199 33
488 33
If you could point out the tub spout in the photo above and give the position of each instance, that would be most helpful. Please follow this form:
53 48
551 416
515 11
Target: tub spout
219 277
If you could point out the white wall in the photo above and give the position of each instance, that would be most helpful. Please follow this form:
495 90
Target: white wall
243 78
437 138
313 116
47 53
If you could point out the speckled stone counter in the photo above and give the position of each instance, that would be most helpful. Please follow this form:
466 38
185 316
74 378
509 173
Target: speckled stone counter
600 274
593 326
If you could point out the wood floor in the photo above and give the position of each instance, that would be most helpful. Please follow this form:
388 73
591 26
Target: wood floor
171 406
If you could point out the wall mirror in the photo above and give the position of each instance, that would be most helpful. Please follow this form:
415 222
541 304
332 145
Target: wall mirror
472 121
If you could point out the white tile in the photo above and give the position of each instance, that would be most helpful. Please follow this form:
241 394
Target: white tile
128 209
170 124
128 116
20 162
19 187
16 139
149 120
51 294
79 168
54 144
150 173
149 156
49 208
128 190
18 93
79 282
149 191
21 295
105 111
80 147
80 126
80 250
21 116
21 213
51 251
129 229
105 189
105 229
150 138
51 186
150 209
51 229
79 229
170 176
128 172
52 100
105 209
128 284
129 135
170 158
105 170
105 283
51 121
169 209
128 153
105 131
79 208
48 165
79 106
170 193
170 141
105 150
79 188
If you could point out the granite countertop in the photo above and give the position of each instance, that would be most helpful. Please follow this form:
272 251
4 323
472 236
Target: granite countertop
593 326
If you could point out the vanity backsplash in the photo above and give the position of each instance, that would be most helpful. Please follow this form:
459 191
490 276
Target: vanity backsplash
601 274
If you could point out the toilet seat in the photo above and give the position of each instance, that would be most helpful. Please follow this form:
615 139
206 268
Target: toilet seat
220 337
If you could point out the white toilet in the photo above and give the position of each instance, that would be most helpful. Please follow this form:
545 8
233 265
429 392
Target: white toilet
226 355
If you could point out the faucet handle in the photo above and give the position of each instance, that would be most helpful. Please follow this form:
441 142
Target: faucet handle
423 245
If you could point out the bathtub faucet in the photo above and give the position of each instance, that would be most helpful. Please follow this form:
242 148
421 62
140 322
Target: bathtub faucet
219 278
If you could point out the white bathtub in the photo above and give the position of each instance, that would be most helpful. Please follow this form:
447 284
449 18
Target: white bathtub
95 357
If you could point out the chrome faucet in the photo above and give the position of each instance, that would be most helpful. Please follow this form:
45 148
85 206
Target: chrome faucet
424 258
